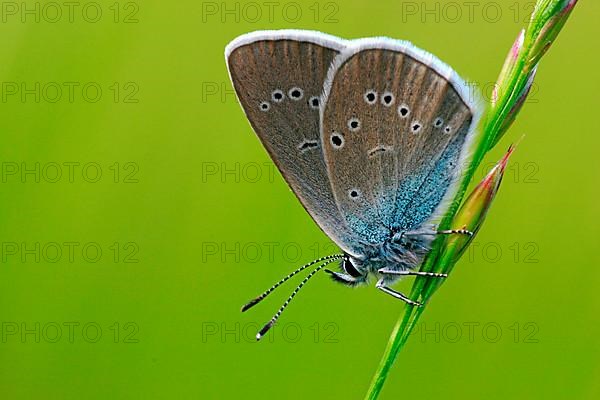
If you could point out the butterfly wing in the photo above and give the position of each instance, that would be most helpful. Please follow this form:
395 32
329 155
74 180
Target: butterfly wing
396 127
278 77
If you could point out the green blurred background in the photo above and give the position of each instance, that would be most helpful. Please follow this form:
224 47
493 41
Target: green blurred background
139 212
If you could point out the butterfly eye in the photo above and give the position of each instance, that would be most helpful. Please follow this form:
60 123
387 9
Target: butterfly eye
295 93
387 99
350 268
277 96
371 96
265 106
354 124
314 102
337 140
403 111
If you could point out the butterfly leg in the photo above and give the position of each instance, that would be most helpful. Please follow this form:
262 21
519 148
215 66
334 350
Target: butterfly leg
387 271
455 232
442 232
381 286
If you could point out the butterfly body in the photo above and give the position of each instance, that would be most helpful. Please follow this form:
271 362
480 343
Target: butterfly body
371 135
402 252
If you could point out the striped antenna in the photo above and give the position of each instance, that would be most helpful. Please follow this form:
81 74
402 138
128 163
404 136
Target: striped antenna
270 324
260 298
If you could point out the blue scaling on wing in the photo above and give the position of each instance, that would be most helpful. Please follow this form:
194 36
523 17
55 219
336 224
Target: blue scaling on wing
416 205
367 227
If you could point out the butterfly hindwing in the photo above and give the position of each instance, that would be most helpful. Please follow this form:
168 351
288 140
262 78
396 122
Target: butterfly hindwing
278 77
395 126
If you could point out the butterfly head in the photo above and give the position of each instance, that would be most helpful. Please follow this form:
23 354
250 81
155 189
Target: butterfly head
352 271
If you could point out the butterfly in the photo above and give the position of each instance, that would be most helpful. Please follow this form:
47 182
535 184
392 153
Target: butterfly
370 134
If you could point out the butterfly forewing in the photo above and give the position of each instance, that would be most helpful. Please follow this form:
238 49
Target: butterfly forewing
403 121
278 78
